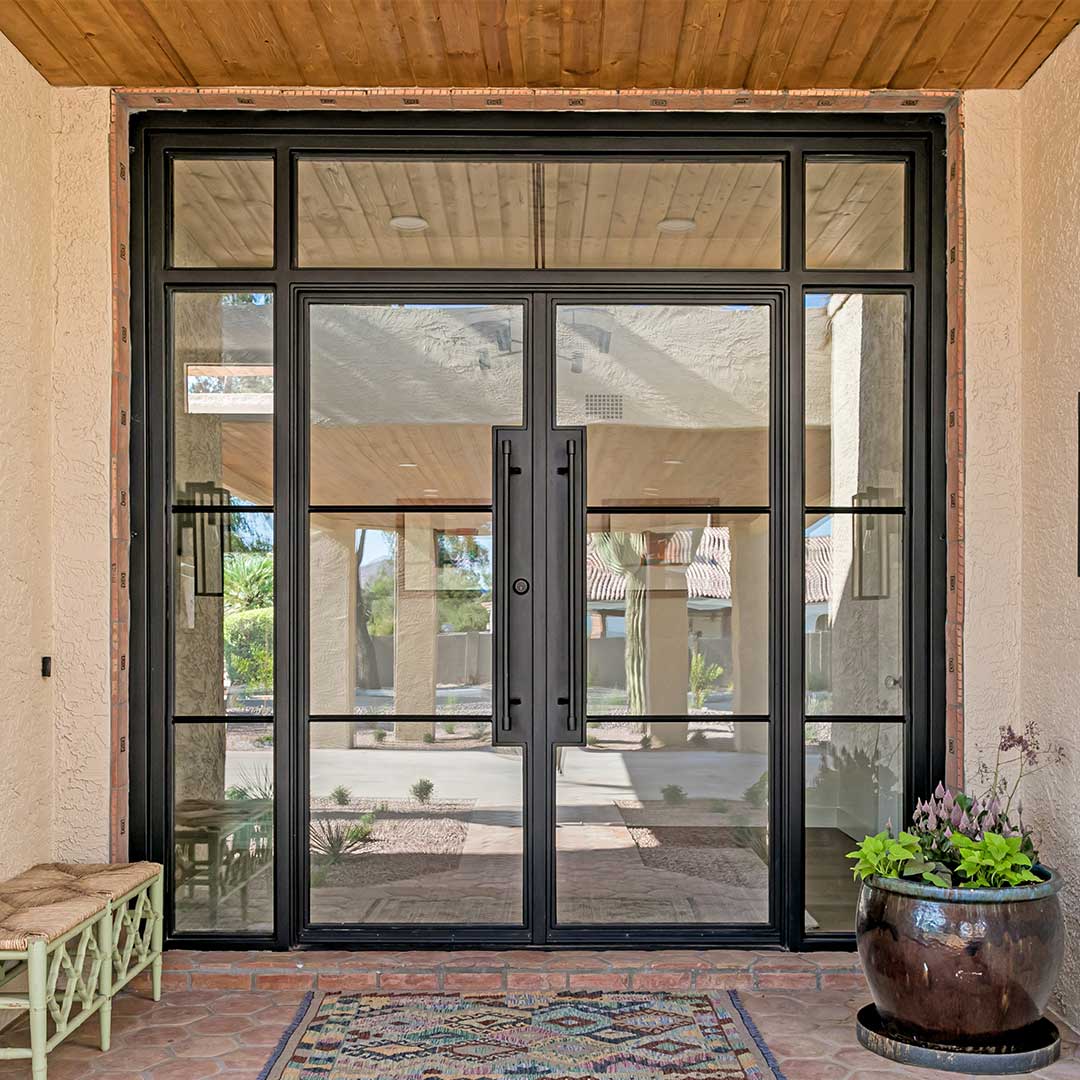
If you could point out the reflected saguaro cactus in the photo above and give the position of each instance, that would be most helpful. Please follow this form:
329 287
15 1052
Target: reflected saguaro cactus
623 553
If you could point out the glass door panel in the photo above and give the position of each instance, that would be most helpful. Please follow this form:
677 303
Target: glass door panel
415 803
675 399
403 399
662 815
663 823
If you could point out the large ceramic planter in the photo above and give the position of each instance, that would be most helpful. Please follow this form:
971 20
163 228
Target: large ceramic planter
960 967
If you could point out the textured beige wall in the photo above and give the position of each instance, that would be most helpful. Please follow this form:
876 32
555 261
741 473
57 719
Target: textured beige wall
26 699
1050 652
993 482
55 380
1022 634
81 410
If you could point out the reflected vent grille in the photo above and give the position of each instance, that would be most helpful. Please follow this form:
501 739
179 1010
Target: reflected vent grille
603 406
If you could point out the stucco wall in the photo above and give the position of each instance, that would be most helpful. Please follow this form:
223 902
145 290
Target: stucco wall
1022 633
81 410
26 700
992 611
1050 652
55 364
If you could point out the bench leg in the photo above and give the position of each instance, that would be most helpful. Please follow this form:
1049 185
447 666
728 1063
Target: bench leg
105 978
157 906
36 970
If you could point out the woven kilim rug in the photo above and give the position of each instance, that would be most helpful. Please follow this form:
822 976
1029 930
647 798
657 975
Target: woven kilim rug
571 1035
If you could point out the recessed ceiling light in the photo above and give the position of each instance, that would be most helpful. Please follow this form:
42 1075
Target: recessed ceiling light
408 223
431 491
677 225
407 465
673 461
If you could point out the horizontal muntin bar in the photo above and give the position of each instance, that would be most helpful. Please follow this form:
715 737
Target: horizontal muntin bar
411 508
231 718
347 718
855 510
848 718
748 718
680 509
224 508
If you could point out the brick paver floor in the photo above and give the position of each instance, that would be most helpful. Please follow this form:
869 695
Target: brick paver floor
228 1030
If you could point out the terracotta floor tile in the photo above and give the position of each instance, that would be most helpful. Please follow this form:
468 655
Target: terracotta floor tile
203 1034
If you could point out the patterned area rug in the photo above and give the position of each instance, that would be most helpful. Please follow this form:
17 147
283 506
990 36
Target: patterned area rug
571 1035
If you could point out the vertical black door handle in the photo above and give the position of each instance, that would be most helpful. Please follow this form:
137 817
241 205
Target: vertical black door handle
574 569
502 596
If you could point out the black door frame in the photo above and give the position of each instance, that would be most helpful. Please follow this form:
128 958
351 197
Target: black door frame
156 136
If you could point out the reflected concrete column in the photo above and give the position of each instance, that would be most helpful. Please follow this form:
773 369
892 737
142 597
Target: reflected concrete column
333 633
416 625
749 545
667 651
866 340
199 761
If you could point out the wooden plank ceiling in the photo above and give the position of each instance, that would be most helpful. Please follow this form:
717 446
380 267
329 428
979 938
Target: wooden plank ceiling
605 44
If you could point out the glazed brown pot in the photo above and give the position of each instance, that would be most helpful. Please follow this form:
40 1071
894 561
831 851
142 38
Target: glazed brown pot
960 967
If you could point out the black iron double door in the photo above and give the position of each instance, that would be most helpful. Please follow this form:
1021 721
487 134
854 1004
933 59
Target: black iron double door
543 616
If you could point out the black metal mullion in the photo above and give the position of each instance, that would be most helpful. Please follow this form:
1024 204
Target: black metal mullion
792 576
540 775
284 563
934 286
144 766
300 357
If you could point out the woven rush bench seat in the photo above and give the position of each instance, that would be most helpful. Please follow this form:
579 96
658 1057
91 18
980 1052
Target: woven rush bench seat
80 933
36 907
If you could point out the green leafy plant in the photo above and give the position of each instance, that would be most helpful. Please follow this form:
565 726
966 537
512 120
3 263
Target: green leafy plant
379 735
703 678
333 840
966 841
885 856
257 783
248 581
673 795
341 795
757 794
719 806
249 648
449 727
422 789
266 739
993 862
429 736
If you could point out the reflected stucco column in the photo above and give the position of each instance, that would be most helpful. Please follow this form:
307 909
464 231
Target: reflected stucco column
667 652
749 541
333 633
199 656
866 339
415 625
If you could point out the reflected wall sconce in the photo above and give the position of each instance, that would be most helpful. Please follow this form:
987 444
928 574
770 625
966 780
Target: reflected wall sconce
209 534
870 545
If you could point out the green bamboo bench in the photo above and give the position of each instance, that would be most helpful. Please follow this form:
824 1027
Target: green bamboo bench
80 934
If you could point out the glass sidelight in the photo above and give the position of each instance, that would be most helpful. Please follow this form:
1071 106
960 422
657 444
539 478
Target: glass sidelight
855 603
